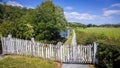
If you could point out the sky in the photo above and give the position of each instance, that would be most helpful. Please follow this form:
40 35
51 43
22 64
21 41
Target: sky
82 11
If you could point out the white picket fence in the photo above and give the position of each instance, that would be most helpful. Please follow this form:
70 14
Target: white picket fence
63 53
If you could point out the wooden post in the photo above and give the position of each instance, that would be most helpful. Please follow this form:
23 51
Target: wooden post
42 52
9 36
90 57
61 52
50 51
5 42
8 43
95 53
32 46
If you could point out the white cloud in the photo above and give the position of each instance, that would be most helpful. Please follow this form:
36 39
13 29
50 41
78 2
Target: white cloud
112 6
115 5
111 12
69 8
108 11
30 7
79 16
13 3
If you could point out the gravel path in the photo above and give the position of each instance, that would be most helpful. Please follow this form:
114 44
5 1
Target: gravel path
73 43
1 56
75 66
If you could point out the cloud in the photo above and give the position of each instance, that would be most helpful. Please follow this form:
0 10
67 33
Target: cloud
111 12
112 6
79 16
108 11
87 18
115 5
13 3
69 8
30 7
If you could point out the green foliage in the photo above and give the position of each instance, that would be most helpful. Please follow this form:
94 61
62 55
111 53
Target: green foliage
24 31
50 20
25 62
6 28
1 14
109 56
43 23
29 17
109 44
11 14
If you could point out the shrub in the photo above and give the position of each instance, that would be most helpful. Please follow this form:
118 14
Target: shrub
109 56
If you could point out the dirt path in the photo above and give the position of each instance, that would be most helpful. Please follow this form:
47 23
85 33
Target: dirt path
75 66
73 43
1 56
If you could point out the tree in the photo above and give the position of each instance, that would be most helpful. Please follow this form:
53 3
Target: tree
1 13
24 31
60 18
50 20
6 28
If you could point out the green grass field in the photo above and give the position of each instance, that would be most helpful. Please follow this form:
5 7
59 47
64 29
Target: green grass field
25 62
109 32
98 33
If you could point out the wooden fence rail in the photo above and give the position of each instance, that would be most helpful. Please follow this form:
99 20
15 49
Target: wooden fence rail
63 53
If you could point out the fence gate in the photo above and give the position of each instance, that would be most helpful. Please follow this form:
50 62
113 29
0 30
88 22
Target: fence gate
79 54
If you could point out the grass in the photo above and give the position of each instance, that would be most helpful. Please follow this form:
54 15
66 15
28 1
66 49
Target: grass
25 62
68 42
111 35
91 66
110 32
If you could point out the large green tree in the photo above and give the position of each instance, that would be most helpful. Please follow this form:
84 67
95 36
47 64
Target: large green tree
50 20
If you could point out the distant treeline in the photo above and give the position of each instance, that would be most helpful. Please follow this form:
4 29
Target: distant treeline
103 25
75 24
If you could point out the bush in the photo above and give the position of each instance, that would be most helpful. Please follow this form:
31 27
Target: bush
0 45
85 38
109 56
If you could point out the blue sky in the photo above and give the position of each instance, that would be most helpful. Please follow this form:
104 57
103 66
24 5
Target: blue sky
83 11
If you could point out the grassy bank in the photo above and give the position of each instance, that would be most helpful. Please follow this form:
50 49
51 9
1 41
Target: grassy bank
109 44
25 62
68 42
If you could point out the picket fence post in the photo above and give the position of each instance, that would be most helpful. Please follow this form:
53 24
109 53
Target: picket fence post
95 59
